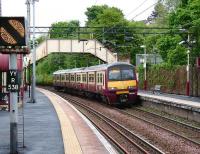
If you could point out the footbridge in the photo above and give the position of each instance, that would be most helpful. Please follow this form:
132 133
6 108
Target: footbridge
93 47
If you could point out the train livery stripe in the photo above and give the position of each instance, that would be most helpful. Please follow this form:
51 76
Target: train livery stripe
122 84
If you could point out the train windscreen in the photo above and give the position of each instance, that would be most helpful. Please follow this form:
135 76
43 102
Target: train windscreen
121 73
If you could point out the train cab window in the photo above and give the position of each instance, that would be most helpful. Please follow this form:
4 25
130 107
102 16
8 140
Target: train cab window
114 74
127 74
91 77
120 74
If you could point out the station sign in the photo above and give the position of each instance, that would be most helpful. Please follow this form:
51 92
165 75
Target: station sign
13 81
12 35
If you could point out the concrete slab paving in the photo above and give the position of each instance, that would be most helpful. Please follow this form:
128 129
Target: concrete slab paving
42 128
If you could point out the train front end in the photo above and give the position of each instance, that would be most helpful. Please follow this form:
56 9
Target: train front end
121 84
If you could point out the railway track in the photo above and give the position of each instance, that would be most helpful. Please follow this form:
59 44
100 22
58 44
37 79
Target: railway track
143 124
125 140
187 132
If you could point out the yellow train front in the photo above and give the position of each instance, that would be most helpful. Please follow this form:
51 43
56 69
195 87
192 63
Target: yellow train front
115 83
121 85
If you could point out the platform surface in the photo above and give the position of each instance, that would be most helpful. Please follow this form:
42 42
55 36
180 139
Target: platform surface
178 99
42 128
53 126
79 135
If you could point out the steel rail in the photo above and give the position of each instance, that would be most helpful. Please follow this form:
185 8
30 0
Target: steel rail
170 120
124 133
154 124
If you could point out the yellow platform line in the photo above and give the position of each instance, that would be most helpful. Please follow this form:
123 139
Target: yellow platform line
70 141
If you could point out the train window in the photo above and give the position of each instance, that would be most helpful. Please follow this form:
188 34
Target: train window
97 77
78 78
58 78
103 79
121 74
114 74
62 77
91 77
84 78
67 77
100 79
72 78
127 74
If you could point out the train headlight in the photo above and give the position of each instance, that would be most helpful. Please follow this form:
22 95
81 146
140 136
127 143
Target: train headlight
131 87
112 88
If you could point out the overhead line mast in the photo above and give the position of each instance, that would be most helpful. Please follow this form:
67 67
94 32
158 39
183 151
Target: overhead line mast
0 9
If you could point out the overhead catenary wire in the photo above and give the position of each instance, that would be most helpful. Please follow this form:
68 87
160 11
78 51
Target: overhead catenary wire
135 9
144 10
131 19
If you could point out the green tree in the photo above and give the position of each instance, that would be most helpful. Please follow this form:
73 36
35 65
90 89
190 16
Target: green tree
166 44
177 56
64 29
111 17
171 5
92 13
41 39
159 16
187 16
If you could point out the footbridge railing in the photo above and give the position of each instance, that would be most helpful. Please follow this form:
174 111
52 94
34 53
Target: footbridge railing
93 47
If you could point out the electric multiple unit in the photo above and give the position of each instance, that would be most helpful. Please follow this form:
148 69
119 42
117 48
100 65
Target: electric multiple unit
115 83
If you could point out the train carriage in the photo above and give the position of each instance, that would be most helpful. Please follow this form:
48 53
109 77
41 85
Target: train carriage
116 83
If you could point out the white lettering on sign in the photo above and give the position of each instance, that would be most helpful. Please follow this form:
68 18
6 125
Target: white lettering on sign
13 87
13 73
12 80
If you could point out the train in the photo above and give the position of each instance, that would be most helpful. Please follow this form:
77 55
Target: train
115 84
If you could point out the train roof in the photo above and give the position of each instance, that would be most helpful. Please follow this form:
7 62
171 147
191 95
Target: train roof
91 68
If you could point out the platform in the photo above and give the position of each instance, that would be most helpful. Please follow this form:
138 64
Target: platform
185 106
52 125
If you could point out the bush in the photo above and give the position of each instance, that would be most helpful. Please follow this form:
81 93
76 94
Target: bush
172 78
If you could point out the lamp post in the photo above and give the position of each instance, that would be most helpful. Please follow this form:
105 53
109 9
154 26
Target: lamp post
116 57
188 63
188 67
145 67
34 56
0 9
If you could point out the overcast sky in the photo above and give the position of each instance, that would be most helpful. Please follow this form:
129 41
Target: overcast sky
50 11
